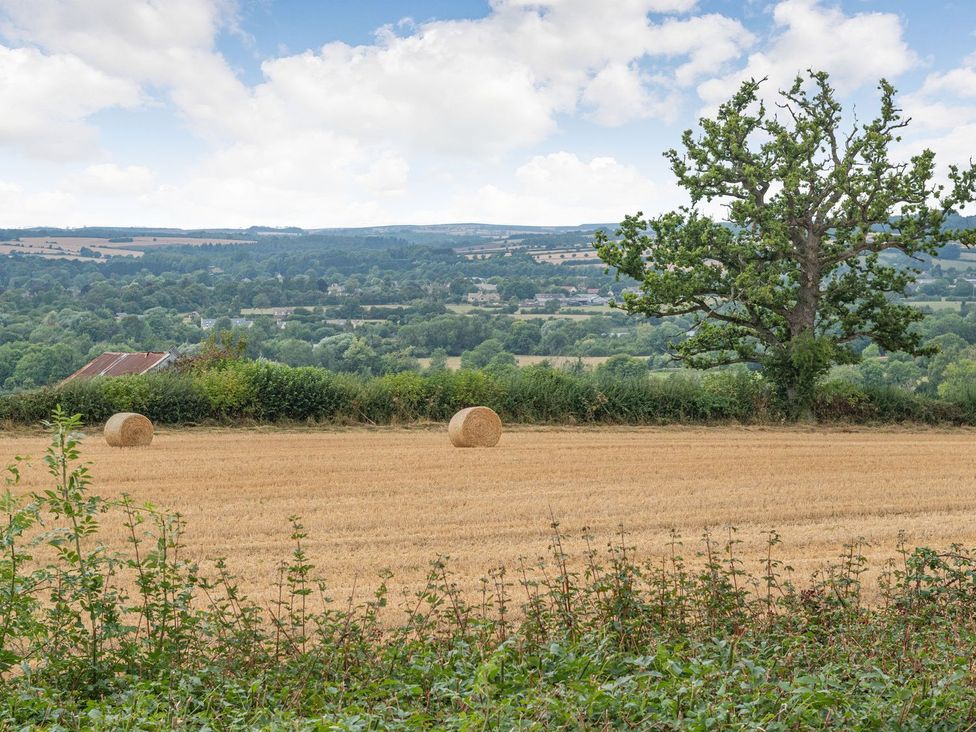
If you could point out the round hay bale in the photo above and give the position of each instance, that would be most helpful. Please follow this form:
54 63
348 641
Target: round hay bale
128 429
475 427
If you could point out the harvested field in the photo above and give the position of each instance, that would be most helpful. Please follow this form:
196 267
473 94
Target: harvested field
69 247
396 498
454 362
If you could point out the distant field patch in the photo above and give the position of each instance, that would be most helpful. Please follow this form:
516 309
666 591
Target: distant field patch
454 362
70 247
956 265
954 305
561 256
568 313
170 241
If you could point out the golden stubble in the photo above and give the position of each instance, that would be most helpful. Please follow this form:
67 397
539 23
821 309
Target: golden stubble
397 498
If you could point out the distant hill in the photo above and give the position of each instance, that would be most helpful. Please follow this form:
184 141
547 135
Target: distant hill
378 236
431 234
961 222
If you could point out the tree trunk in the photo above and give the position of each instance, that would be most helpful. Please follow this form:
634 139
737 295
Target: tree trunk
800 398
802 369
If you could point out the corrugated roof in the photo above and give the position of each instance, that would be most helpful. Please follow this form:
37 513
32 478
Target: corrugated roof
112 363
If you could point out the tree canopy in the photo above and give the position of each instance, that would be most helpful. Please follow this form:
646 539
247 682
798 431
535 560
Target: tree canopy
795 275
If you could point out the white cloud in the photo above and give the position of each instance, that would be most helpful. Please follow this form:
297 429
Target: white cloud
21 208
561 188
946 99
618 94
491 85
943 114
110 179
709 42
426 92
462 87
855 49
302 179
46 99
388 175
429 122
140 43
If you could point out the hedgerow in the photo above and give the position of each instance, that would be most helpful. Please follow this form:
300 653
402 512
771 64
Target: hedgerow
236 391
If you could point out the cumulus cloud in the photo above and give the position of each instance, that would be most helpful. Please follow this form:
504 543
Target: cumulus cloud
22 208
427 122
47 98
562 188
946 99
109 179
462 87
303 179
943 113
618 94
425 92
140 44
494 84
855 49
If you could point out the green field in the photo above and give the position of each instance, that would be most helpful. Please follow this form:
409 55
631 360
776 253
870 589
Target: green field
957 265
953 305
567 313
454 362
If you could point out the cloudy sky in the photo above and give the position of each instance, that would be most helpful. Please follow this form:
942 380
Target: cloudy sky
317 113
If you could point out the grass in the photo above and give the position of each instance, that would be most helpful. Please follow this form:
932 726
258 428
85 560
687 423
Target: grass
394 498
954 305
613 638
958 265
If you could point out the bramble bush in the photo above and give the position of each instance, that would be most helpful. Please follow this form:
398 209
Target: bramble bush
141 638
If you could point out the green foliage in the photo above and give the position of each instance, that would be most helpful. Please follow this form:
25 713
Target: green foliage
230 392
602 640
959 384
304 393
796 276
482 354
622 366
621 392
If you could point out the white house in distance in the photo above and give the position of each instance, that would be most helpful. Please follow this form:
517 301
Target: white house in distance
485 294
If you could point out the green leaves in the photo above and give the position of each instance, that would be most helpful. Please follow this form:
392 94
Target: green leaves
811 205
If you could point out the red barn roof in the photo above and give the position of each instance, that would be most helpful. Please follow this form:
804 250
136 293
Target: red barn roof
112 363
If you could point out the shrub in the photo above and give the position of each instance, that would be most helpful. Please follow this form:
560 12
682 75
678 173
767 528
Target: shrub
271 392
842 400
175 399
543 394
230 392
305 393
738 394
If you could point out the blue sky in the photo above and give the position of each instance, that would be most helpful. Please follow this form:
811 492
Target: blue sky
320 113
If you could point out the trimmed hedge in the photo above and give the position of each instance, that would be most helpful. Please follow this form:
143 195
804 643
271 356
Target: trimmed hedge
266 392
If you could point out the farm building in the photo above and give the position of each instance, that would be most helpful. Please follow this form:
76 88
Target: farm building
113 363
485 293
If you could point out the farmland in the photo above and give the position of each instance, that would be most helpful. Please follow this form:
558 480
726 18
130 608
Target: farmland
99 248
454 362
397 498
573 313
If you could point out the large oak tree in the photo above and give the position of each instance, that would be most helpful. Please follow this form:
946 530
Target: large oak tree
794 277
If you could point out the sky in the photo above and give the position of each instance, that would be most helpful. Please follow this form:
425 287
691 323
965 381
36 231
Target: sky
328 113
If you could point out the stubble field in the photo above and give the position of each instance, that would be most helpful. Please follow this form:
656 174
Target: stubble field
396 498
